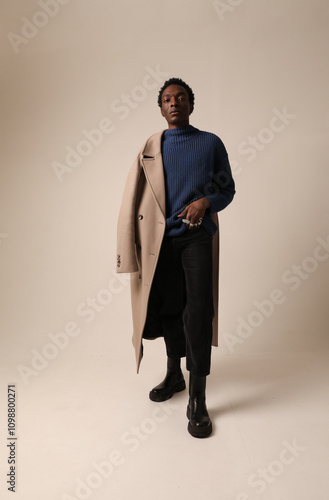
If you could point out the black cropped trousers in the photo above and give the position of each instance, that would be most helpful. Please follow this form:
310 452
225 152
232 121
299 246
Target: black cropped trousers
180 305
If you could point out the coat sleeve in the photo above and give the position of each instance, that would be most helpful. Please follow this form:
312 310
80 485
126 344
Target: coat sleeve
126 247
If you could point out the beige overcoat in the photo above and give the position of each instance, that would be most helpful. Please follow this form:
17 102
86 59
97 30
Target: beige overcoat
141 228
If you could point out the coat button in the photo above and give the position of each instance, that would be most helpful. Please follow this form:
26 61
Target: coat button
140 217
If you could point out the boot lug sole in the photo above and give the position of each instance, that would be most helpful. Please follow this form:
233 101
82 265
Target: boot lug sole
199 432
158 398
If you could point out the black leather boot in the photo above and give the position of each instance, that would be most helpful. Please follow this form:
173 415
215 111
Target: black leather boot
199 425
173 382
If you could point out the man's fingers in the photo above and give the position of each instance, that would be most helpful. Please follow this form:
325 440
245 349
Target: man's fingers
183 213
193 216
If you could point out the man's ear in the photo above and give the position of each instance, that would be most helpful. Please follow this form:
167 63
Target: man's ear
191 108
161 111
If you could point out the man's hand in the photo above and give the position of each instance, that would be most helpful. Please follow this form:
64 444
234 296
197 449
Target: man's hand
195 211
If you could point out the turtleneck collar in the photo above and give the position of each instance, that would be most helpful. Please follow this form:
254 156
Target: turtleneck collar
176 136
180 131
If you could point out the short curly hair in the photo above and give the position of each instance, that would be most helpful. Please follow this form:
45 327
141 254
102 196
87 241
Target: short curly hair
176 81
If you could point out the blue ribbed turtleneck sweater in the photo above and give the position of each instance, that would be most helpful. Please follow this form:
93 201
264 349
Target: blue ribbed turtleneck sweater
195 165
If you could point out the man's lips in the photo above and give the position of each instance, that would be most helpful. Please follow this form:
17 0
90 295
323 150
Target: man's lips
174 112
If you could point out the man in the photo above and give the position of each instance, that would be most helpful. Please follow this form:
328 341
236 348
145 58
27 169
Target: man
168 241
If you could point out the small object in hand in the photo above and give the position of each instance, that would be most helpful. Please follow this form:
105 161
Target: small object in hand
186 221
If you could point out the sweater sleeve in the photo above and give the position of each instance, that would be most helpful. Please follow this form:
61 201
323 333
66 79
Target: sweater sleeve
221 189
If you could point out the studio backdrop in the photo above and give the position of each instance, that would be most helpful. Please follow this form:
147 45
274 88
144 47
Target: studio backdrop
79 90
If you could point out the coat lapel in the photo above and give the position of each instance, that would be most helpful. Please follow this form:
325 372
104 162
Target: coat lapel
151 159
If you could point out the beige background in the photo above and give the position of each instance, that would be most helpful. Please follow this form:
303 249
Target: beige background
246 64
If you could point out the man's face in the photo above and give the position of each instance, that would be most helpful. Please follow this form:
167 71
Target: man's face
176 107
